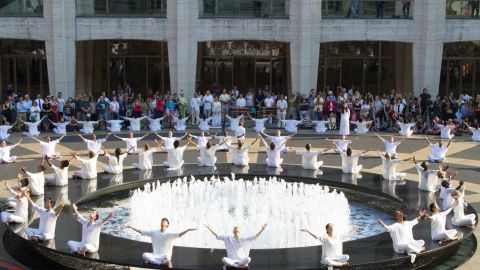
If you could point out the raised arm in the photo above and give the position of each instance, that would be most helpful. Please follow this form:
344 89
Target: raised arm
14 193
309 232
135 229
59 139
190 141
107 218
37 140
380 137
428 141
210 229
108 135
81 137
255 141
450 141
59 211
379 221
186 231
264 142
264 226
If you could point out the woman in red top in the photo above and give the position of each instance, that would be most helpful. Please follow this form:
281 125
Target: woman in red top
137 109
160 107
54 115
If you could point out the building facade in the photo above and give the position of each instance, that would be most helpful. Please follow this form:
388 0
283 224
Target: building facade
289 46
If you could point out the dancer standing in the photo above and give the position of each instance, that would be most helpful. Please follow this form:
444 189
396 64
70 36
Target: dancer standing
309 158
344 120
168 141
162 243
89 166
94 145
332 247
135 123
390 146
390 167
131 142
48 147
238 248
402 235
60 174
5 157
48 221
350 161
115 163
91 228
438 219
438 151
240 152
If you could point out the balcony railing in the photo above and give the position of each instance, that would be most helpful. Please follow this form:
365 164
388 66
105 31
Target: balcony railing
276 9
122 8
367 9
21 8
462 9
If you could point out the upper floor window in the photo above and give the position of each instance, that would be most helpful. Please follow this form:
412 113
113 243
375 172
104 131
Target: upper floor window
463 9
244 8
124 8
21 8
368 9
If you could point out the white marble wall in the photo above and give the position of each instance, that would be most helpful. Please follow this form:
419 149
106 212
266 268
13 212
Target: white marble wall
183 29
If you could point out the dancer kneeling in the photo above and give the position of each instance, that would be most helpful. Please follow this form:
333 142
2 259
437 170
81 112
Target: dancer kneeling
162 242
115 163
309 158
48 221
439 233
459 218
145 158
438 151
238 248
402 235
240 152
273 160
350 161
332 248
390 166
175 155
59 177
89 166
90 232
207 156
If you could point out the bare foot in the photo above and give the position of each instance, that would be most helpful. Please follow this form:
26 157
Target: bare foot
345 265
422 249
35 238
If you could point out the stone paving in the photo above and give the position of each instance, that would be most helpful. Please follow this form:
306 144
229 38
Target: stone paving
463 156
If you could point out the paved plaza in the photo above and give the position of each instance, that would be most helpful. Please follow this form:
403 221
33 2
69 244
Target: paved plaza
463 156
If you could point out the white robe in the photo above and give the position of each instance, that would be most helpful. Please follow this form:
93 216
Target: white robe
20 215
168 141
207 156
90 236
427 180
4 132
234 122
291 125
87 126
332 250
32 129
115 165
115 125
240 156
260 124
459 218
155 124
342 145
345 123
390 169
135 123
48 148
95 146
132 142
89 167
47 224
240 133
402 237
445 131
362 127
309 159
204 126
216 115
475 134
274 159
237 250
447 199
162 243
279 141
438 153
180 124
175 157
438 230
228 141
350 163
5 154
145 160
201 140
60 128
37 183
59 177
405 129
391 147
320 126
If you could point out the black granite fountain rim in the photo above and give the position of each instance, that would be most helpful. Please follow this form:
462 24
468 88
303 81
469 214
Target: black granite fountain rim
330 178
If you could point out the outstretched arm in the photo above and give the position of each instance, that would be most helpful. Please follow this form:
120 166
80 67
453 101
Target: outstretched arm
107 218
81 137
59 211
108 135
186 231
264 226
36 139
255 141
450 141
379 221
210 229
428 141
135 229
309 232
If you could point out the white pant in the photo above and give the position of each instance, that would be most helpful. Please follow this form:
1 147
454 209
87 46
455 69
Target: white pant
274 163
236 263
30 232
317 165
75 246
415 247
280 116
434 158
51 180
8 160
10 217
336 261
60 132
195 116
155 259
82 175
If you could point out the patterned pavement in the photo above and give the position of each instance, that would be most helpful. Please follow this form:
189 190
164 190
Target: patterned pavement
463 156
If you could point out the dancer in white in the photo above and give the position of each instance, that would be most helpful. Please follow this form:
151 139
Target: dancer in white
155 123
362 126
48 221
115 125
309 158
427 179
459 218
438 151
202 139
345 120
37 180
390 146
60 127
115 163
291 125
278 139
48 147
89 166
131 142
180 124
91 228
240 132
405 129
23 183
240 152
94 145
402 235
445 131
273 154
32 127
390 167
168 141
4 128
5 157
320 126
438 219
238 248
135 123
216 114
234 122
228 141
475 133
341 143
145 158
162 243
350 161
20 215
88 126
175 155
445 193
59 177
204 126
260 123
332 247
207 156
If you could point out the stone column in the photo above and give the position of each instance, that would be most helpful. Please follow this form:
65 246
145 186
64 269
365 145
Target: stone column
60 45
428 49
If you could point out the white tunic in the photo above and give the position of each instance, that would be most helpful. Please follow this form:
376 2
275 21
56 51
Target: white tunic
216 114
4 132
402 237
162 243
145 159
169 141
48 222
207 156
260 124
320 126
115 165
438 227
37 183
390 168
445 131
406 129
240 156
240 133
175 157
427 180
32 128
362 127
204 126
5 153
228 141
135 123
60 176
309 159
87 126
234 122
350 163
21 210
237 249
48 148
273 156
180 124
60 128
89 167
291 125
94 146
279 141
155 124
345 123
445 195
391 147
332 247
475 134
115 125
438 153
90 232
201 140
459 218
342 144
